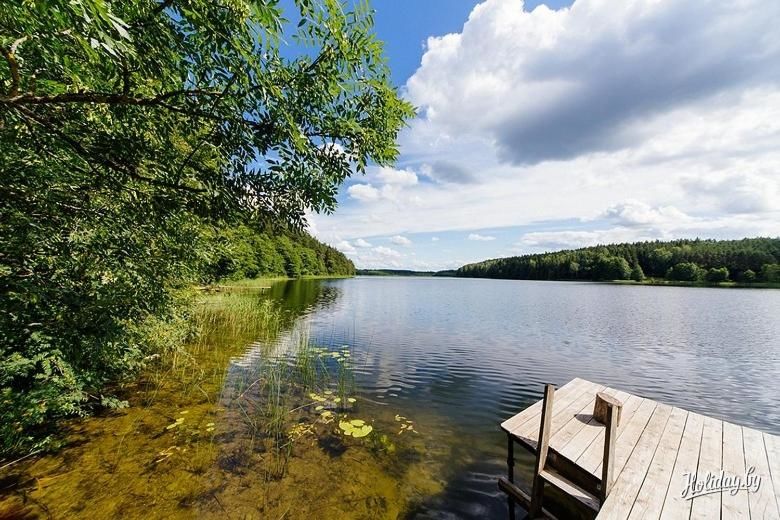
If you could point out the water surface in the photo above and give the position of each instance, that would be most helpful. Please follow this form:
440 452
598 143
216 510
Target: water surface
455 356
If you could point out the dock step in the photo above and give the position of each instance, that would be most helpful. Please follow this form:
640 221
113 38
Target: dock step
569 488
520 496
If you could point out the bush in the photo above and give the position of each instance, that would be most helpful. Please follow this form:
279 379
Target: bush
716 275
685 272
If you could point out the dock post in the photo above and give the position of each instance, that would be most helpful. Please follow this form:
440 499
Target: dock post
510 465
541 452
607 467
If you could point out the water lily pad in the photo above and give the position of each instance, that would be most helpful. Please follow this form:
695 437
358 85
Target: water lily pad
357 422
351 399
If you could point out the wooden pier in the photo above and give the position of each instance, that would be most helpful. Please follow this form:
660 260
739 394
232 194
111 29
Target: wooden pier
651 455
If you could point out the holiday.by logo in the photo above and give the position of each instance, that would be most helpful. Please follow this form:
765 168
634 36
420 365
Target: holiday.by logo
697 485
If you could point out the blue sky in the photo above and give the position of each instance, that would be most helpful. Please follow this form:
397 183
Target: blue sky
552 125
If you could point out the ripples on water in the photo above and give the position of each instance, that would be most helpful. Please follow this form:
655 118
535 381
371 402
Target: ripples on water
466 354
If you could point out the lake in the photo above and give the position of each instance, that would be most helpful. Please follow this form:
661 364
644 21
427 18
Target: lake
449 358
477 351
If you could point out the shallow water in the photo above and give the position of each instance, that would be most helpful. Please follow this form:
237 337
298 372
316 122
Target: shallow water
456 356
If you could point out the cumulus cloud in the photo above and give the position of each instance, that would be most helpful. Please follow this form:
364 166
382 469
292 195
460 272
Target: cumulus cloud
362 243
448 172
345 247
558 84
363 192
634 213
480 238
400 240
392 176
738 193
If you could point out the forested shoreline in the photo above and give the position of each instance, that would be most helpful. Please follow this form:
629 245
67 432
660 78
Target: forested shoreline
746 261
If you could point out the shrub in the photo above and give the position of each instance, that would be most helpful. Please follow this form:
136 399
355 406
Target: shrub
685 272
716 275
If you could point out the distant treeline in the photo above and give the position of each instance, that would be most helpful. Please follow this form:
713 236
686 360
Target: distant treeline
748 260
402 272
243 252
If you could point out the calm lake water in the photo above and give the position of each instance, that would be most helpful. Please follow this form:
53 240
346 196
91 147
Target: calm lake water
468 353
454 356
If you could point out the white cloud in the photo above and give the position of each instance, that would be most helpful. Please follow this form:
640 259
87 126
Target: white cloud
396 177
400 240
362 243
481 238
345 247
557 84
363 192
434 239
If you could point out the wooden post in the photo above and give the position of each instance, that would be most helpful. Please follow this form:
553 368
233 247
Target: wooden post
510 464
600 409
541 452
610 436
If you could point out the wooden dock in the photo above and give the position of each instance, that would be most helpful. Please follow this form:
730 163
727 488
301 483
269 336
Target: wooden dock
657 451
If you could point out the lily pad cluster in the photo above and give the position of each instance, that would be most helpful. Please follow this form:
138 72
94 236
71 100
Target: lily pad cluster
341 355
328 400
355 428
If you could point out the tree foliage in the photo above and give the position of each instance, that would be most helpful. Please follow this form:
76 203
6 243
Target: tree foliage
677 260
133 136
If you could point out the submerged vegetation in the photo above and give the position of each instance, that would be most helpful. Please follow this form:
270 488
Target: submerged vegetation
249 419
148 146
749 260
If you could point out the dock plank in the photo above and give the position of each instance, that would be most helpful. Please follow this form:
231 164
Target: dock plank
590 430
595 450
763 503
650 499
533 412
734 505
772 445
626 439
623 495
675 506
710 462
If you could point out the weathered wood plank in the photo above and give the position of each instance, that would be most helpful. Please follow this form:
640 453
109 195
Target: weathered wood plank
591 457
561 414
710 462
772 444
591 430
675 506
650 499
563 395
624 492
763 503
734 505
576 424
627 437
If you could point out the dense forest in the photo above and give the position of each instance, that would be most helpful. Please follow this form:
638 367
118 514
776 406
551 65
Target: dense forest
243 252
146 147
748 260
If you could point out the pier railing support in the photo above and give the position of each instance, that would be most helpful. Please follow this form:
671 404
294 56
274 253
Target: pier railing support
542 446
610 434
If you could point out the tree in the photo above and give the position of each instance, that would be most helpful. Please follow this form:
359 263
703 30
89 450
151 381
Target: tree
127 131
770 273
747 276
611 268
720 274
685 272
637 274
